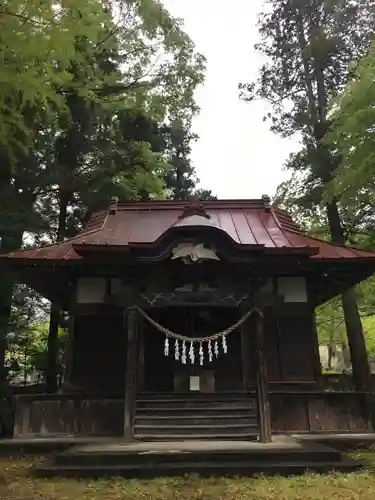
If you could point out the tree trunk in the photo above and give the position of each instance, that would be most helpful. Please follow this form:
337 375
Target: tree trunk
5 277
330 355
10 242
354 330
306 67
53 348
345 355
55 313
25 367
6 289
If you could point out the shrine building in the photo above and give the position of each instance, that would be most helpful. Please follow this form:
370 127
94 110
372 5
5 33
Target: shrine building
193 320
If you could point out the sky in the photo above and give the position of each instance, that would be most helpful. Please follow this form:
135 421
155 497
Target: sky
236 156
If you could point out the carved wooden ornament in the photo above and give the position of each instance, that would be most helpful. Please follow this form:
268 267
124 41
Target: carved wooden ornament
193 253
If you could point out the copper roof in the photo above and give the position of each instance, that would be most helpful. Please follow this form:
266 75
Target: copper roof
245 222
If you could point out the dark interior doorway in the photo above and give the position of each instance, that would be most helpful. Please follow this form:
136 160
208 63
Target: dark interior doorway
165 374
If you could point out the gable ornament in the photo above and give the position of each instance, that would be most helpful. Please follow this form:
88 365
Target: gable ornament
192 253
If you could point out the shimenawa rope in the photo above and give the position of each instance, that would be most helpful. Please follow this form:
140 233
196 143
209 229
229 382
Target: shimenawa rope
169 334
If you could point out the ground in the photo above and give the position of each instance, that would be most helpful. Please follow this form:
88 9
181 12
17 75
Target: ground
17 483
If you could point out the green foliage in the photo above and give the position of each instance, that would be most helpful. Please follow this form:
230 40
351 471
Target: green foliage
300 39
45 45
368 323
308 46
181 178
86 89
204 194
331 322
38 44
121 69
27 334
27 350
352 131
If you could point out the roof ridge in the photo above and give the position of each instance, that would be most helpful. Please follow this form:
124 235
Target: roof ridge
67 240
341 245
288 225
165 204
279 224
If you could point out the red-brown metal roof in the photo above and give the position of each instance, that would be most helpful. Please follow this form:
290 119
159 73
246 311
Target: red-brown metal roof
246 222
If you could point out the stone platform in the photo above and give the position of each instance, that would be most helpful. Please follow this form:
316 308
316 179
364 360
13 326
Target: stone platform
285 455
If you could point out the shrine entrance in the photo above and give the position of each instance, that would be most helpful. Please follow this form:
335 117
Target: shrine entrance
176 365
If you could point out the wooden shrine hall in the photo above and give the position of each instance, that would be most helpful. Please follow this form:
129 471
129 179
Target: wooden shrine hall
193 320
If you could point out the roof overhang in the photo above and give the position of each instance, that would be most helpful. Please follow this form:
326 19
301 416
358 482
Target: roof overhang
330 277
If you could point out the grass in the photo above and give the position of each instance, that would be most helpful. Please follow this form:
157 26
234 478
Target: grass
17 483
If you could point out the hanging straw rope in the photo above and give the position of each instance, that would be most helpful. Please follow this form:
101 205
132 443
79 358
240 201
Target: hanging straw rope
215 336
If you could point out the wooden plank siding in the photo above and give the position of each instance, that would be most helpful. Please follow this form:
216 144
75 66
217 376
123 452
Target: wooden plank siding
93 415
319 412
68 414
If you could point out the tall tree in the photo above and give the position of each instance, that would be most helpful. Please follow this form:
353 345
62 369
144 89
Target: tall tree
181 180
309 45
71 76
181 177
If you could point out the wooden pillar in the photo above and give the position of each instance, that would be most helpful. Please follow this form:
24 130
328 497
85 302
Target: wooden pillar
69 350
70 341
264 415
141 354
246 353
131 373
318 375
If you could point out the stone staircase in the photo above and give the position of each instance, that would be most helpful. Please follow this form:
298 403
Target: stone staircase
195 416
284 455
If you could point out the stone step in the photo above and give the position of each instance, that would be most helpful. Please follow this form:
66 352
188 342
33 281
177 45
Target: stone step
260 454
196 419
243 436
232 428
207 468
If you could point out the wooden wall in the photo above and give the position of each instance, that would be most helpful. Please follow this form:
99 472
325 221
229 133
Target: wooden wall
85 415
99 353
320 412
291 345
67 415
99 350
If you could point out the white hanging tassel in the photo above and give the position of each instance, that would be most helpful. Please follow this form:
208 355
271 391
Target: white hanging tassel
183 357
166 347
216 348
191 353
209 351
176 350
201 354
225 347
